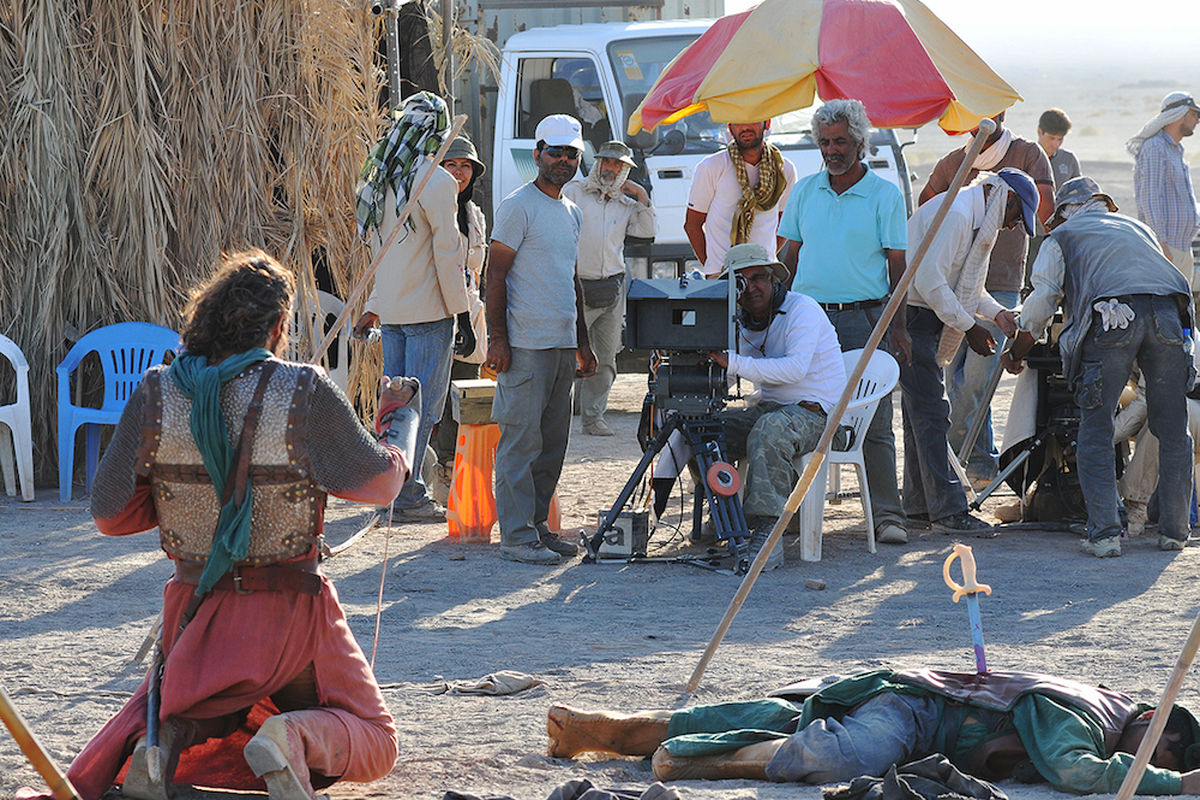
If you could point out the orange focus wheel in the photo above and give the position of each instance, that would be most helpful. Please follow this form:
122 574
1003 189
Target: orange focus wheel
724 479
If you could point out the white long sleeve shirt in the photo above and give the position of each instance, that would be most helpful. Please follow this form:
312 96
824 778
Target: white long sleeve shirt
933 287
796 358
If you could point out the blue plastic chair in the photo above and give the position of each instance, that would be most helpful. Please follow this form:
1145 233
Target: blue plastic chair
126 350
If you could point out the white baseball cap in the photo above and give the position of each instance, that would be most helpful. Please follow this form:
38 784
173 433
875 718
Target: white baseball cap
560 130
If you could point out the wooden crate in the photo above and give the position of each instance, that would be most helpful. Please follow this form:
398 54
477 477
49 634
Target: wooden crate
471 401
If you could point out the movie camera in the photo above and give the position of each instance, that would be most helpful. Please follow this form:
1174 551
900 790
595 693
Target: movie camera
683 320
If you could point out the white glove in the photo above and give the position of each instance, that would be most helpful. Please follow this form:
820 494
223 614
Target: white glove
1114 314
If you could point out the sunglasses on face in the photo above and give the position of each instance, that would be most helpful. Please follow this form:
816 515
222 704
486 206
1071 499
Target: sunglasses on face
560 151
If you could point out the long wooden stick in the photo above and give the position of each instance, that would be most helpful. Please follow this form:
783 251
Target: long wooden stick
405 213
57 782
986 127
1159 721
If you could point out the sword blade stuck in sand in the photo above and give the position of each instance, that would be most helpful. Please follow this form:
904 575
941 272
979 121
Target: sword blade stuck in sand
970 589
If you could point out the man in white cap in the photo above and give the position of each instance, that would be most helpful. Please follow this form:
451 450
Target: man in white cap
613 207
1162 184
1121 300
537 341
787 347
737 195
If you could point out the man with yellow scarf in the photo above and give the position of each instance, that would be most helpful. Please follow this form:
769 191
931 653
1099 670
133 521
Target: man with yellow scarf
737 196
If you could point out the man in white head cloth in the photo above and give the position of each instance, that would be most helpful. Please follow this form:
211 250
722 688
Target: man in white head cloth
1162 183
613 207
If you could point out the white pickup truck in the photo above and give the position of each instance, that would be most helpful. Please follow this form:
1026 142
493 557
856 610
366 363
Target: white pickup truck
599 73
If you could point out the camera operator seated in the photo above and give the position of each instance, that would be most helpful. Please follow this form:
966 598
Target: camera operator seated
1122 299
788 348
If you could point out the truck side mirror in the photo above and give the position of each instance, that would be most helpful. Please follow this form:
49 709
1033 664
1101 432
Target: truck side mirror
674 142
643 140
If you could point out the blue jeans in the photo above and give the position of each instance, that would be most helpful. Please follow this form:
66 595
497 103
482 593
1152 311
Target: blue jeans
879 448
929 485
421 350
1155 338
891 728
966 382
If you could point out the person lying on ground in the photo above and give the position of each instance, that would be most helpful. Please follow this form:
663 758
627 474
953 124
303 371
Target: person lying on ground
998 725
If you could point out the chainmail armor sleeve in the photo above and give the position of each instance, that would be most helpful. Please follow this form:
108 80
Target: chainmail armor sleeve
116 476
341 451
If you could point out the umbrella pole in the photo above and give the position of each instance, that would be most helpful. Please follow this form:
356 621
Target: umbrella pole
60 786
835 417
405 213
1159 721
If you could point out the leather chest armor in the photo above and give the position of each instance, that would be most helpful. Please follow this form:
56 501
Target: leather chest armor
287 504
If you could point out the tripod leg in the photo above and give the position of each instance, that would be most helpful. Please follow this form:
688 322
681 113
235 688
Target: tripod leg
1009 469
670 425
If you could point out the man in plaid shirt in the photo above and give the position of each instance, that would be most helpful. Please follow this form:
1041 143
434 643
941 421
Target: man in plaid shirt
1162 183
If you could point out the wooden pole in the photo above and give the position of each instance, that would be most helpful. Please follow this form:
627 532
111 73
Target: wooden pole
986 127
57 782
1159 721
405 213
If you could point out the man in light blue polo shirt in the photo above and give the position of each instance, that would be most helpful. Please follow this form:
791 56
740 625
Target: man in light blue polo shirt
846 232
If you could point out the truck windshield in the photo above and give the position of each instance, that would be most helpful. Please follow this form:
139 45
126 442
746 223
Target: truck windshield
637 63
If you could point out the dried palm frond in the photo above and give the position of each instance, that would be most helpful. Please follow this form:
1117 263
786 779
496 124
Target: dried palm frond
472 52
145 137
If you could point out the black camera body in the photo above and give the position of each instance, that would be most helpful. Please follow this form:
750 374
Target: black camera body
683 320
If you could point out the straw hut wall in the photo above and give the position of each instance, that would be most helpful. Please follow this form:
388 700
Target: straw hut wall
141 138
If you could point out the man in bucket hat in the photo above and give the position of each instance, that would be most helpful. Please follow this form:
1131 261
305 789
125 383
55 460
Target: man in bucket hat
787 347
1122 299
613 207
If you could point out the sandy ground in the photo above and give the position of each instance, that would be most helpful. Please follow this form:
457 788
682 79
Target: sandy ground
74 607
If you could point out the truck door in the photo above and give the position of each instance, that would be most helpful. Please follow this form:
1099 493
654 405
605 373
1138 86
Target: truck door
533 86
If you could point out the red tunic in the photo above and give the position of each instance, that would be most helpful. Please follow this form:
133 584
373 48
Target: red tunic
242 648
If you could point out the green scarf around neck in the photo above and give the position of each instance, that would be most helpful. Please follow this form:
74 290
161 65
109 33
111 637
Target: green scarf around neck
202 383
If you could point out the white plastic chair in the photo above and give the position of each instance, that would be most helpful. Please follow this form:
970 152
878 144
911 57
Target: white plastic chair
338 355
16 434
879 379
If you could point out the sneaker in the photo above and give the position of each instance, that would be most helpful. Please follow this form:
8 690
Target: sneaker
529 553
1167 543
919 521
597 427
963 523
431 511
551 540
891 533
1108 547
1136 516
758 537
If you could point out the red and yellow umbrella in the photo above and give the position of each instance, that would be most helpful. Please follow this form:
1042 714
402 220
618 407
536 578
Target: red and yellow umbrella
895 56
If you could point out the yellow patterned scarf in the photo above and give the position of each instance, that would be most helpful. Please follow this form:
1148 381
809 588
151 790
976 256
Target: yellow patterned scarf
762 197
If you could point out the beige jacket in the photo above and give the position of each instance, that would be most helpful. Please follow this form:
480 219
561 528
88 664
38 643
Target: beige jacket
420 278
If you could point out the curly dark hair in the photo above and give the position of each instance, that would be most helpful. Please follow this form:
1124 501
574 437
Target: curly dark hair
238 306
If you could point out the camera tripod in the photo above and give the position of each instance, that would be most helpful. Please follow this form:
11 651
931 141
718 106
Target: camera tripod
706 437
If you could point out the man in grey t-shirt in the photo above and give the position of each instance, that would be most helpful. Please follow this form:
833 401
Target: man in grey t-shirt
537 342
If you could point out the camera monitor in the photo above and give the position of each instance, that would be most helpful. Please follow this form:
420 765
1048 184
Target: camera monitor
671 314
